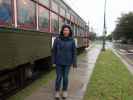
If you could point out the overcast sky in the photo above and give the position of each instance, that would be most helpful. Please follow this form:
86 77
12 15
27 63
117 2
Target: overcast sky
92 11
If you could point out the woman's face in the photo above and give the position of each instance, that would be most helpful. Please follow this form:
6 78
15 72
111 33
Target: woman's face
66 32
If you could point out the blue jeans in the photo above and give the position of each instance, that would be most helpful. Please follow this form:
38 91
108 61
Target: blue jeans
62 72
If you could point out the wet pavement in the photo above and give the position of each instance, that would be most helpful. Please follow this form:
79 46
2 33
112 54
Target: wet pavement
126 51
130 56
79 78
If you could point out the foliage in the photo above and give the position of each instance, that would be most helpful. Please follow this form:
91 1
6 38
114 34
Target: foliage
124 28
109 37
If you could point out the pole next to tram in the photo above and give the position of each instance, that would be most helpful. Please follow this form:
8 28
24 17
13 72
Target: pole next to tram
104 28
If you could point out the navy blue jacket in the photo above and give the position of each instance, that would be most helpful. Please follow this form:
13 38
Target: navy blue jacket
64 51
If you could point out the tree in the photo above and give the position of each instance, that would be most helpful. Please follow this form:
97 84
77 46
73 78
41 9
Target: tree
109 37
124 28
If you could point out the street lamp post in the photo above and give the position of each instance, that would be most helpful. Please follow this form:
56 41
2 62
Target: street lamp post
104 28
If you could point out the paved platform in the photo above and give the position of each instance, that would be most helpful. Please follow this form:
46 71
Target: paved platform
79 78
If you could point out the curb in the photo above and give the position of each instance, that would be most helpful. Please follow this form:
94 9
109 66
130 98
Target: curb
129 67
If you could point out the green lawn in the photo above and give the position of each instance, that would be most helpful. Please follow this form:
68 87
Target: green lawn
110 80
34 86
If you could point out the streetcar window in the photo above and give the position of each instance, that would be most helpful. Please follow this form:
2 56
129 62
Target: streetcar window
5 12
79 32
43 18
55 6
72 18
54 23
44 2
62 12
61 22
68 15
68 22
26 13
76 30
72 26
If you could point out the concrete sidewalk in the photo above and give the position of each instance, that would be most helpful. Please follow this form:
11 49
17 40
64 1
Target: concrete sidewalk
79 78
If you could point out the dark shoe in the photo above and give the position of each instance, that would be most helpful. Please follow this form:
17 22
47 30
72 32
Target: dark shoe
56 98
64 98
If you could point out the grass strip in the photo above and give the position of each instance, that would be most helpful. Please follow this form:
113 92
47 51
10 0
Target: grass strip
110 80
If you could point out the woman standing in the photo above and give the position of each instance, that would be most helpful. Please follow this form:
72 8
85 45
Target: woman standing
63 56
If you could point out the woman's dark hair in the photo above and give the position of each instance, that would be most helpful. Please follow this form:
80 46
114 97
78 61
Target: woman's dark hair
66 26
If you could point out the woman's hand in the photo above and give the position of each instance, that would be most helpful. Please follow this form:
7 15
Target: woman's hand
74 65
53 65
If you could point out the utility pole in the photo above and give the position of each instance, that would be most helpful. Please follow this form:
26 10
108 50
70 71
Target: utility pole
104 28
